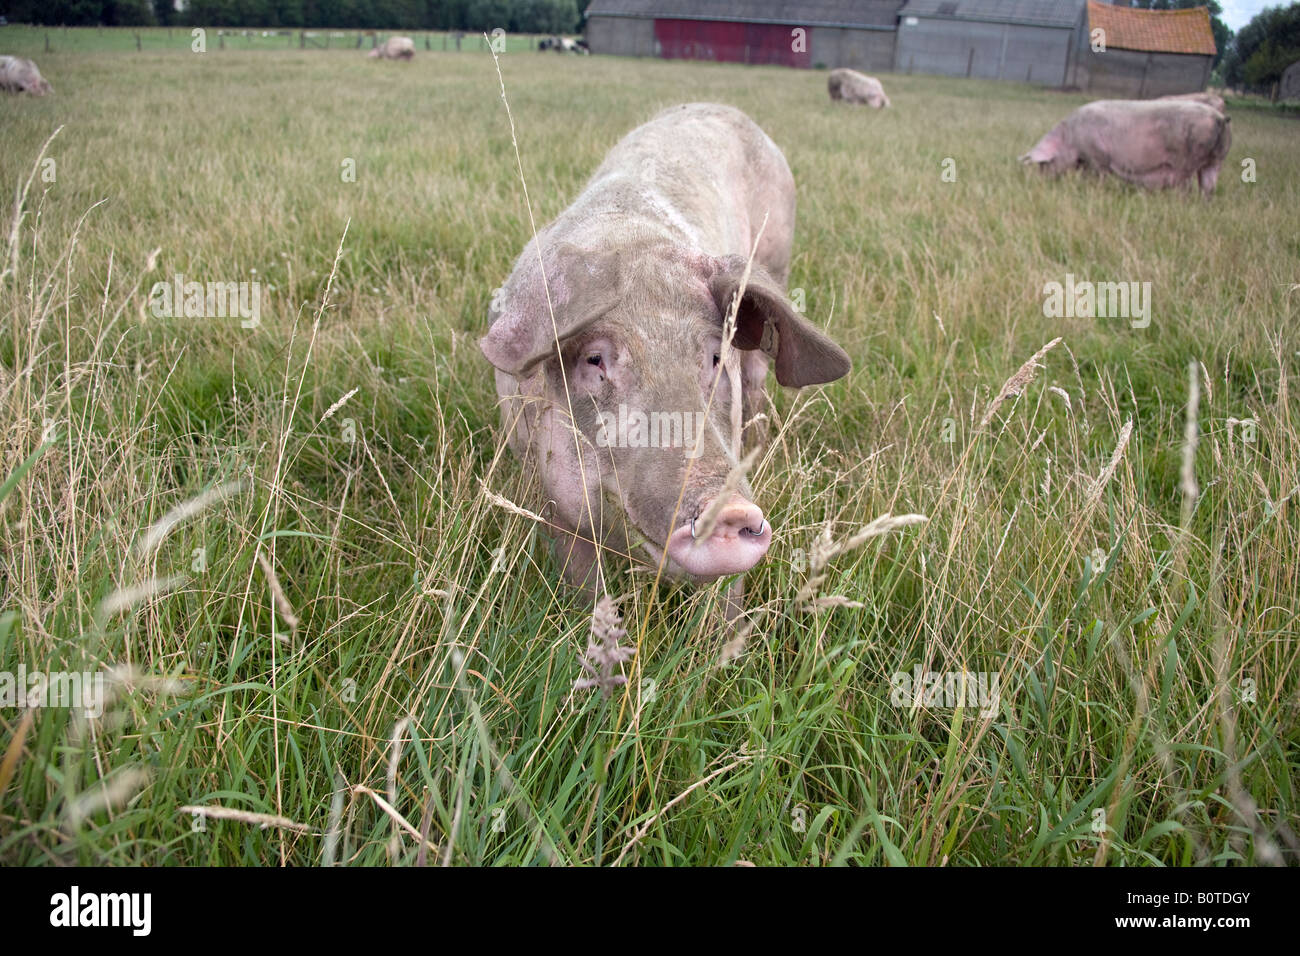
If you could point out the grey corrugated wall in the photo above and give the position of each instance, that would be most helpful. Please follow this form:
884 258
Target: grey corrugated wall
1002 51
870 50
621 36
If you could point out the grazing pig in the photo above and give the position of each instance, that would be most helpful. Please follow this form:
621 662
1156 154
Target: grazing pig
1209 99
1153 143
854 87
564 45
394 48
625 401
20 75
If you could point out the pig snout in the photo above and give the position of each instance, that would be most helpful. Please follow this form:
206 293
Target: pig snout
739 539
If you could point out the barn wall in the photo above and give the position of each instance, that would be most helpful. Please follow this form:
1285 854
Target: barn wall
1000 51
1289 85
869 50
1036 55
621 36
1137 75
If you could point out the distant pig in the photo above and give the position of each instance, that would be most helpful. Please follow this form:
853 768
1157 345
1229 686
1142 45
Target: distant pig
394 48
1209 99
610 365
854 87
1153 143
20 75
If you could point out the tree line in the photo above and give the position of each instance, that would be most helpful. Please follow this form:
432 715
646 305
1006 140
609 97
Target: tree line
516 16
1263 48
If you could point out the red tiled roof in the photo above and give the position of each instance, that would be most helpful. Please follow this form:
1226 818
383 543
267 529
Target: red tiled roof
1155 31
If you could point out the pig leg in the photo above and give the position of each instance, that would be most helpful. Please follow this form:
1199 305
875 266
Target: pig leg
577 558
1209 178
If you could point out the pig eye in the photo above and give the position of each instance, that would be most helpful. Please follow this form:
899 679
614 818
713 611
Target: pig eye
597 360
715 361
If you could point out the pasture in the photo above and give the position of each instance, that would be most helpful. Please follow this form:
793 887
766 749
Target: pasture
357 620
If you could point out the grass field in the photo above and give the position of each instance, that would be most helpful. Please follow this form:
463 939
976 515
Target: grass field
356 622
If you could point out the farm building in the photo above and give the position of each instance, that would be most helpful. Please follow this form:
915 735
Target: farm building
1147 52
1028 41
1288 87
802 33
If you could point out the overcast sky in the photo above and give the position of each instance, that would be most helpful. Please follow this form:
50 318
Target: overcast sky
1237 13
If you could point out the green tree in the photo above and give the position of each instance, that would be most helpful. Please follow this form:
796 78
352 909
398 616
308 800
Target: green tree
1263 48
128 13
487 15
544 16
71 13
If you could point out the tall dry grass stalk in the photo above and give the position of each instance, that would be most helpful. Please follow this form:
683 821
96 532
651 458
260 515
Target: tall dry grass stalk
825 548
20 212
262 821
1017 383
1107 473
158 531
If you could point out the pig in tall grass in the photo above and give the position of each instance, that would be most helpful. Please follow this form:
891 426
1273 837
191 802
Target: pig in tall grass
854 87
1153 143
394 48
20 75
627 404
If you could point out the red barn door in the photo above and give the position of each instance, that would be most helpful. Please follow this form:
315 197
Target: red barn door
727 42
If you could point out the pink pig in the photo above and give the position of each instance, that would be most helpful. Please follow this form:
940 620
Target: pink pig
1153 143
626 404
854 87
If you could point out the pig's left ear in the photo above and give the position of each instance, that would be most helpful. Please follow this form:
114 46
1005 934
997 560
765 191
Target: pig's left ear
582 287
803 354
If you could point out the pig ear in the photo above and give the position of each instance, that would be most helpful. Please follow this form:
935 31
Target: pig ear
803 353
582 286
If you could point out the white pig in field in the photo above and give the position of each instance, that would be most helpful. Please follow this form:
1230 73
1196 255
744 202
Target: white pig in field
1211 100
627 404
854 87
1153 143
394 48
20 75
